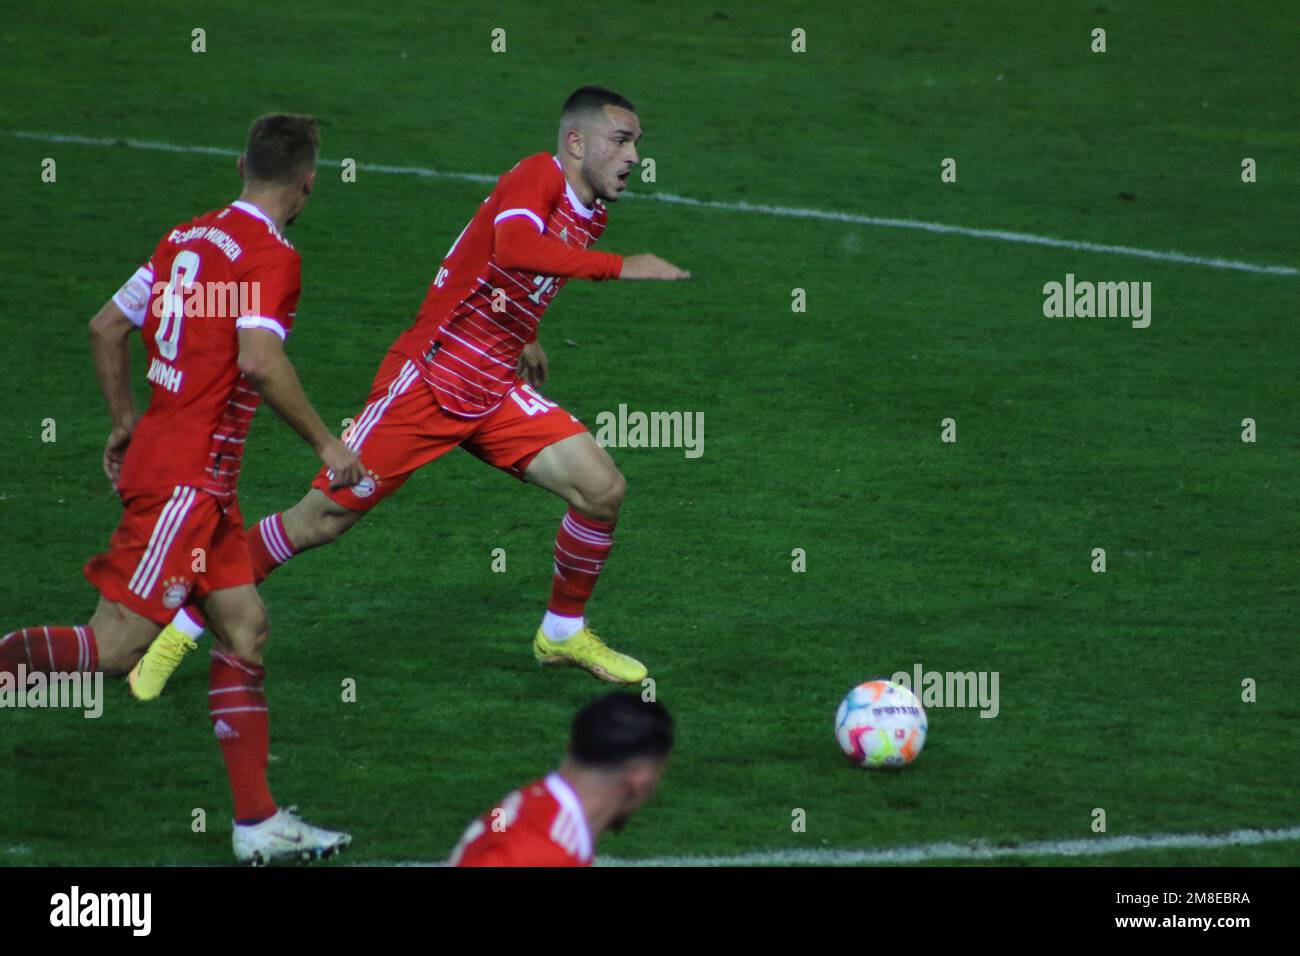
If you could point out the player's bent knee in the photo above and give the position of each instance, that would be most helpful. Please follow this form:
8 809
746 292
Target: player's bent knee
328 522
601 500
249 642
121 638
125 664
259 633
338 520
116 661
617 491
242 631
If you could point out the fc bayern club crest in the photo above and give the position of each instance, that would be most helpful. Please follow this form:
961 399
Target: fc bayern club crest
366 486
175 591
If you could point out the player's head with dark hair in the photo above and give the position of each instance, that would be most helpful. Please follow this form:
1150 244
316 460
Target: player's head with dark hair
598 133
616 728
280 159
593 99
623 742
281 148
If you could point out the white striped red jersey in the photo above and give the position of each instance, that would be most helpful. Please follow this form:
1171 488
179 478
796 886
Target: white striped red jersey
478 316
542 824
226 270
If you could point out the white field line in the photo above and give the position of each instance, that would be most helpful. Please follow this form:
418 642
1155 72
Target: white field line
933 852
789 212
937 852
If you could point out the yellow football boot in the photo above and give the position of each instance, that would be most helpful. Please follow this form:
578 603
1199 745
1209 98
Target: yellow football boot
584 649
151 672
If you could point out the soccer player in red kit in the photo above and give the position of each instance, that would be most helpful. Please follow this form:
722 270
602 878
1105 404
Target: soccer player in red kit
214 303
466 374
618 749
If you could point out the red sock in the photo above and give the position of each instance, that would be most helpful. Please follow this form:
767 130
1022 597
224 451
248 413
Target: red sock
269 546
237 707
50 650
581 546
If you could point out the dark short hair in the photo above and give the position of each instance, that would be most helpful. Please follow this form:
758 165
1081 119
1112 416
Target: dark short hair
592 99
281 147
619 727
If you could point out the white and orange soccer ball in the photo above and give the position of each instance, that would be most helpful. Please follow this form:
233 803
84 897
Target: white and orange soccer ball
880 725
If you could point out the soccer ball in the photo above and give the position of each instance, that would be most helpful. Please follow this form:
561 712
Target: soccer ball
880 725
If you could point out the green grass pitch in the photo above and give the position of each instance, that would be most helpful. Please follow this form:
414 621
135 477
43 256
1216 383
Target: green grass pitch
1119 690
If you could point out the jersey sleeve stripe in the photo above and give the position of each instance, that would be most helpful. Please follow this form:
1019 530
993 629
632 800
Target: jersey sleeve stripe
260 322
511 213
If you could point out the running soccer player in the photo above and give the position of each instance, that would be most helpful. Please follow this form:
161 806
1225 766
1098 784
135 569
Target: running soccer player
466 374
214 303
618 749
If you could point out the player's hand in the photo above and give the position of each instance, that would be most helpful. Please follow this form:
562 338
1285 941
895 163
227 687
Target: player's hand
532 364
343 464
115 451
647 266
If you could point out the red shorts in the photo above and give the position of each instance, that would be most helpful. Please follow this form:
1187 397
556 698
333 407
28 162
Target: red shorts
171 546
403 427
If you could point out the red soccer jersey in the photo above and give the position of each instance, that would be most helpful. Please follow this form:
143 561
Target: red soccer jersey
226 270
467 350
539 825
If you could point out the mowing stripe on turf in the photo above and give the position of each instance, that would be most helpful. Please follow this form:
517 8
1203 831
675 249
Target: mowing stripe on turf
938 852
789 212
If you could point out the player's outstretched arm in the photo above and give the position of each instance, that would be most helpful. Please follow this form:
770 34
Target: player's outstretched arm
648 266
269 371
518 245
110 344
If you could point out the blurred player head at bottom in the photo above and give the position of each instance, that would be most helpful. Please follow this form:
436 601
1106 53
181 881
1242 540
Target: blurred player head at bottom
599 130
278 164
618 749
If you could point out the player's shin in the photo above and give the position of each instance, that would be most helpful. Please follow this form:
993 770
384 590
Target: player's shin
237 707
581 546
49 650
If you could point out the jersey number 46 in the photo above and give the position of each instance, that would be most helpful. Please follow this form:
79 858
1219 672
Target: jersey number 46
530 402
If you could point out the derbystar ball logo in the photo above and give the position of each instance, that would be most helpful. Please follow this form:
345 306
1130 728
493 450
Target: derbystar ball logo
175 591
913 711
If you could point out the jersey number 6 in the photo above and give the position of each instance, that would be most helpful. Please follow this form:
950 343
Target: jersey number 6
185 269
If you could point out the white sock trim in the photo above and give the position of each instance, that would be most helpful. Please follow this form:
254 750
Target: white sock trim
557 627
187 625
277 541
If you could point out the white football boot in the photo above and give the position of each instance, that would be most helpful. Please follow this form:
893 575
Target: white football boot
285 837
